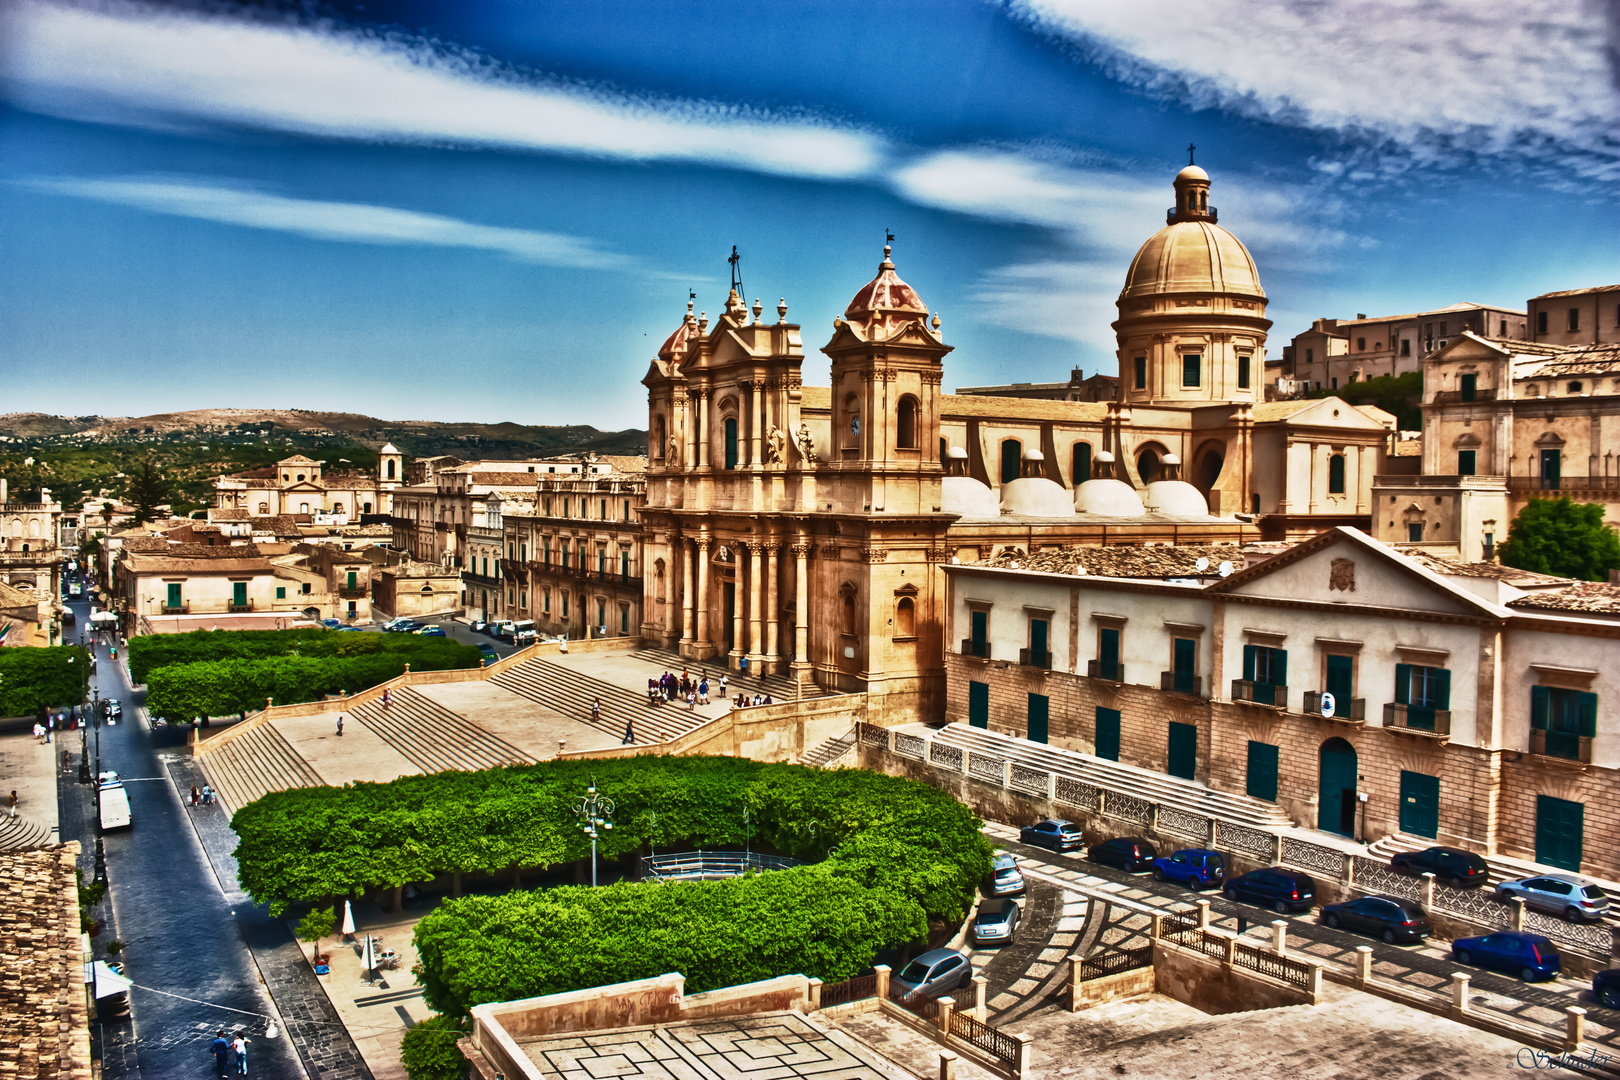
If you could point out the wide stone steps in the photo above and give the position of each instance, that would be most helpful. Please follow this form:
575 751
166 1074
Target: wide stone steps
779 687
1502 868
432 737
830 751
571 692
1188 795
23 832
253 765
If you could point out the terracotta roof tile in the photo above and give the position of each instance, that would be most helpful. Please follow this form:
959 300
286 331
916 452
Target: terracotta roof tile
44 1020
1576 292
1457 568
1593 597
1153 561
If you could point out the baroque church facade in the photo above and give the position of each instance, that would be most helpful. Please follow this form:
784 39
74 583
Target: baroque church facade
802 529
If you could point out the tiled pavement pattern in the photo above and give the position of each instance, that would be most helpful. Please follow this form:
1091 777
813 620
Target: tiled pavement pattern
774 1046
1051 923
1425 967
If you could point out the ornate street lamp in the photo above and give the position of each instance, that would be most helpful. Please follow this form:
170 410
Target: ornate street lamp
595 814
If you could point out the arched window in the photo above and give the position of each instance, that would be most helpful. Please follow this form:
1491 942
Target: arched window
390 468
731 442
658 440
905 618
264 508
658 579
1082 463
906 424
851 424
944 445
848 597
1336 474
337 508
1012 460
1149 466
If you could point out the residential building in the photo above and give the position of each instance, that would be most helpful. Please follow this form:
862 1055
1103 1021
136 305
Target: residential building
160 586
1100 387
406 588
1364 691
344 577
31 558
1589 316
21 624
1334 353
299 485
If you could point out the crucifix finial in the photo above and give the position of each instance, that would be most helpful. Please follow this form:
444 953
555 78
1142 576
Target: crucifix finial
736 270
1190 148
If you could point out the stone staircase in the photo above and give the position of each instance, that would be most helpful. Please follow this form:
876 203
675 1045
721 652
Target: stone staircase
779 687
432 737
23 832
1188 795
254 764
570 693
830 751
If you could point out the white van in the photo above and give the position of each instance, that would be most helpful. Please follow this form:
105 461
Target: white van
114 806
524 632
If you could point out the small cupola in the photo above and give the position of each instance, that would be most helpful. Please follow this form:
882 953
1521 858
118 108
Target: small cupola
1192 195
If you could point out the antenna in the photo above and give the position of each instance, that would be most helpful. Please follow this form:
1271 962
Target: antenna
1201 565
1225 568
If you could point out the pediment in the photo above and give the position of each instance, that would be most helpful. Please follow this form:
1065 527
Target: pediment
1330 412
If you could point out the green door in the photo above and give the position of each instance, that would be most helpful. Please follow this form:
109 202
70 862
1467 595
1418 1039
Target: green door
1038 704
1420 804
730 591
239 593
174 596
1108 653
979 638
1262 771
979 704
1336 795
1340 670
1108 734
354 580
1559 824
1183 750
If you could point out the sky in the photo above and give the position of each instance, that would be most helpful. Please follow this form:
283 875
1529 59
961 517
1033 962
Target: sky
493 210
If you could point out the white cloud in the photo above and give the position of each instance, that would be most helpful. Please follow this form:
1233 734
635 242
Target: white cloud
320 79
1433 79
336 221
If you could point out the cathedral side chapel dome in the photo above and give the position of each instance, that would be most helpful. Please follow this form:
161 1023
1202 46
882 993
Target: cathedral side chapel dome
1108 498
885 304
1036 496
967 497
1176 498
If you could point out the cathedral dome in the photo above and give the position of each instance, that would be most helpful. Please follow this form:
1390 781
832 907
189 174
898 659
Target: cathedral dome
1108 498
1035 496
1193 257
967 497
1176 498
885 304
674 346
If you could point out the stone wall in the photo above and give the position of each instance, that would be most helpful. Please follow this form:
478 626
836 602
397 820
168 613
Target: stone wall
1214 988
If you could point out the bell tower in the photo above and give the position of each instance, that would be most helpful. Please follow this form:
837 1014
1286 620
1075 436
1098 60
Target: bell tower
887 365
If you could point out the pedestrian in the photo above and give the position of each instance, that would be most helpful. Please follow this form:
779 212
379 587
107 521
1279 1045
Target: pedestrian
50 726
723 681
240 1046
385 705
13 804
629 732
208 795
196 795
340 723
767 700
221 1049
703 691
39 731
691 701
596 710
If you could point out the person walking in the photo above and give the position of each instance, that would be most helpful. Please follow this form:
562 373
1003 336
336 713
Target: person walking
596 710
239 1045
221 1050
385 701
340 724
703 690
13 804
723 680
208 795
629 732
196 795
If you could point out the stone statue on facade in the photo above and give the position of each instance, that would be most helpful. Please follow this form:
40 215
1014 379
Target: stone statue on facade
774 444
674 453
807 445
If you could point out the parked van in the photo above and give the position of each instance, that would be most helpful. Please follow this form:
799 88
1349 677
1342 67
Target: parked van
114 806
502 630
524 632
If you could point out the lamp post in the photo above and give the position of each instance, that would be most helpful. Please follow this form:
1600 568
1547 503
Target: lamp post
595 814
748 834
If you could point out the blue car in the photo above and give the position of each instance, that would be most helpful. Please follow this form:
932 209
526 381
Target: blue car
1606 987
430 631
1196 868
332 624
1529 956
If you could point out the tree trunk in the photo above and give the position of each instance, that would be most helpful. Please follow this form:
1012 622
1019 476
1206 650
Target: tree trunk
517 876
398 893
455 883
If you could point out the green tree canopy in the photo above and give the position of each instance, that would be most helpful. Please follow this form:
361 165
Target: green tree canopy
32 680
1564 538
148 489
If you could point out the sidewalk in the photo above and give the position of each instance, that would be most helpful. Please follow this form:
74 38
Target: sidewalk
29 767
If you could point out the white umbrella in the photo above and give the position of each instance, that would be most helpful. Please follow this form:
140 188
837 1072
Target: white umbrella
348 918
369 957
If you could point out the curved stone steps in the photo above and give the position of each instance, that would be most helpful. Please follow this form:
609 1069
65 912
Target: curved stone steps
570 693
434 738
23 832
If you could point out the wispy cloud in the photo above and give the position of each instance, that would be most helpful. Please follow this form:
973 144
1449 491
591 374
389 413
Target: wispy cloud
335 81
1408 80
336 221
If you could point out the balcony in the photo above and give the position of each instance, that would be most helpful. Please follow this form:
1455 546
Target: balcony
1031 658
980 649
1181 682
1454 397
1418 720
1107 671
233 607
1247 692
1563 483
177 609
1561 746
353 592
1352 710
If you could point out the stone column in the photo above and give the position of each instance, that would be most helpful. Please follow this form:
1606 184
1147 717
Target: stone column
882 973
1279 936
1459 994
1574 1027
701 426
739 627
700 602
755 390
688 627
773 606
801 611
756 595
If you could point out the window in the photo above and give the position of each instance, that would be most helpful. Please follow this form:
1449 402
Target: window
1335 382
1310 356
1108 666
1490 546
1107 740
563 550
1012 460
1443 330
1414 532
1467 386
1406 346
1574 388
523 599
1574 324
523 553
978 634
1424 691
281 592
906 424
905 618
1040 654
545 601
1192 368
1465 462
305 591
624 619
300 477
1266 668
602 509
1082 463
1559 719
1541 322
565 605
303 508
624 563
1336 474
337 508
601 616
1503 331
731 442
1243 371
1140 366
627 510
979 704
352 580
601 559
1361 344
1184 666
264 508
390 470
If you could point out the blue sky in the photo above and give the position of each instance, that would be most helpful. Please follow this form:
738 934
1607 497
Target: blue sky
493 209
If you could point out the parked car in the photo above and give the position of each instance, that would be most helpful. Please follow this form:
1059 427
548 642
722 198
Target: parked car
477 626
1195 868
1129 853
351 629
1054 833
1280 890
996 923
1573 898
431 631
1391 918
1529 956
1006 879
934 974
488 651
1450 866
332 624
1606 988
401 626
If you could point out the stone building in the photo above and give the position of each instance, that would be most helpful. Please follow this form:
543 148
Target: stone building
31 558
1099 387
1364 691
45 1002
802 529
161 586
1589 316
300 486
1338 352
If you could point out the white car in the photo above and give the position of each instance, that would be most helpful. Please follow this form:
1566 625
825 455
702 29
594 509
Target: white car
1574 899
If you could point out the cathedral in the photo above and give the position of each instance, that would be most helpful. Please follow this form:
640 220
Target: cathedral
801 529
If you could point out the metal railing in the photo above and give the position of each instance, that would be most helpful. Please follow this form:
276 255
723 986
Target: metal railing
1343 708
177 609
1181 682
916 1004
1563 483
1479 393
980 649
859 988
688 865
1419 719
1259 693
1102 669
1283 968
239 607
1112 963
1561 744
354 592
968 1028
1031 658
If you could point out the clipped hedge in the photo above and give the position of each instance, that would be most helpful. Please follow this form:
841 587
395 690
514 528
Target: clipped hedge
151 651
893 853
32 680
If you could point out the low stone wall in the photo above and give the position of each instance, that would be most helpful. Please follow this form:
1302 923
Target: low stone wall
779 732
1084 995
1214 988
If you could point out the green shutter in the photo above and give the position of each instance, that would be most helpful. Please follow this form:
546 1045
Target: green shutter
1279 667
1442 694
979 704
1262 775
1540 707
1109 647
1037 636
1248 663
1039 710
1107 741
1403 684
1586 704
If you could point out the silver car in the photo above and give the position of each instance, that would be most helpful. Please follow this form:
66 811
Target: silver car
996 923
1565 895
1006 879
933 974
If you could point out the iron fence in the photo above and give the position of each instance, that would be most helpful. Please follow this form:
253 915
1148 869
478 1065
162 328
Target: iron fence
1308 856
1028 779
908 745
985 767
925 1007
1076 793
872 734
1374 876
1112 963
859 988
1128 808
1283 968
688 865
967 1027
1595 938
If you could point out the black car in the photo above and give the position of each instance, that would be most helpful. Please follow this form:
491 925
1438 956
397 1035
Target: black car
1606 987
1450 866
1054 833
1281 890
1129 853
1390 918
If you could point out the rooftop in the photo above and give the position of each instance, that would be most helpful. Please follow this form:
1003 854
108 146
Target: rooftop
1457 568
1576 292
1593 597
44 1020
1157 561
1463 305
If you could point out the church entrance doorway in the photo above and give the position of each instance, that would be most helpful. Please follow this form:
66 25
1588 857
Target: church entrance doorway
730 621
1336 801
